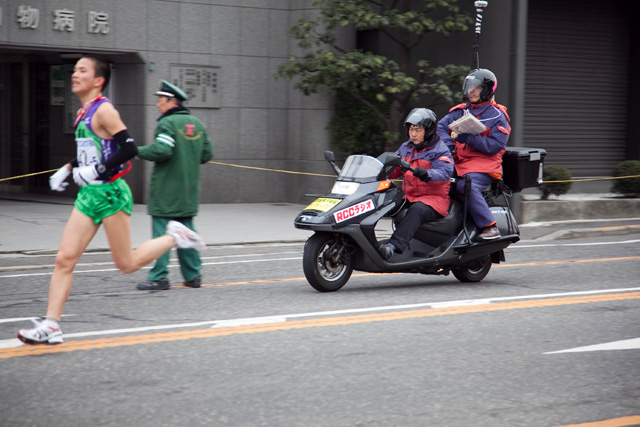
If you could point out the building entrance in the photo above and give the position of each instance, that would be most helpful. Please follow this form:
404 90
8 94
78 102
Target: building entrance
24 124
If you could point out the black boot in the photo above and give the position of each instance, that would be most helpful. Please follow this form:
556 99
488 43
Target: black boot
386 250
195 283
154 285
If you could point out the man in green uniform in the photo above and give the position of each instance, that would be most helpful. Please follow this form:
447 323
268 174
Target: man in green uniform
180 146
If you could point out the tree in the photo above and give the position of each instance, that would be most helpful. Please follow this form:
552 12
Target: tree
384 86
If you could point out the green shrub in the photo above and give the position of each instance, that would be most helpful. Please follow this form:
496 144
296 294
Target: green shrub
555 173
354 128
627 186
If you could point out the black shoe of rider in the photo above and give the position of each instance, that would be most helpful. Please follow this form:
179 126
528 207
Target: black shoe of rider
195 283
154 285
489 233
386 250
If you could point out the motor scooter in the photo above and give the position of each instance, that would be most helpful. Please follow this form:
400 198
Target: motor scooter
344 221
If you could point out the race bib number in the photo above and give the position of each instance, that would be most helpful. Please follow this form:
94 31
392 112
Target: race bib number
323 204
87 152
353 211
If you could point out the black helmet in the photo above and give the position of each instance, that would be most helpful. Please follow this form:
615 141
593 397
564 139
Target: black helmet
480 77
425 118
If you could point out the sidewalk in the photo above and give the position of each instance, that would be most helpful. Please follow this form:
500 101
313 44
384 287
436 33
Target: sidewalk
35 224
27 226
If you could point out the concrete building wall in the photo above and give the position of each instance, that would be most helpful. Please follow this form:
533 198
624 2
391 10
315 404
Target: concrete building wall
262 122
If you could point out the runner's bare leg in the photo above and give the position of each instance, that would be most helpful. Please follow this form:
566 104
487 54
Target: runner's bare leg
76 236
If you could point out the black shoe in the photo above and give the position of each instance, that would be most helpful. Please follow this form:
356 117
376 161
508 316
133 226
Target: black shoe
386 250
195 283
489 233
154 285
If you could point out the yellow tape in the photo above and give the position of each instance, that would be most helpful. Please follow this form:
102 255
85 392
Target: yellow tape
28 175
271 170
592 179
323 175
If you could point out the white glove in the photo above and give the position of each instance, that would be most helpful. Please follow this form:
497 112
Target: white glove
56 181
84 175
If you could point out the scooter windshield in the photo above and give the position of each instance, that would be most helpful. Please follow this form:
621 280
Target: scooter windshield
360 168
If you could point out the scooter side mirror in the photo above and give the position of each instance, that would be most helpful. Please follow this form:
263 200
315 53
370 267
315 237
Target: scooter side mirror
331 158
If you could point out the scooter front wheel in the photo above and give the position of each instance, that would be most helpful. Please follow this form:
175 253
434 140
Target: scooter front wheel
327 262
473 271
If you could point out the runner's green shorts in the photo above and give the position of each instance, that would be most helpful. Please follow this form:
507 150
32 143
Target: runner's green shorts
98 201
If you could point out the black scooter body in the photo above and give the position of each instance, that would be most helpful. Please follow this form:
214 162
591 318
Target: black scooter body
446 245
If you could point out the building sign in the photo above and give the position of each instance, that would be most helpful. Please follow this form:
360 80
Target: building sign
63 20
200 82
28 17
98 23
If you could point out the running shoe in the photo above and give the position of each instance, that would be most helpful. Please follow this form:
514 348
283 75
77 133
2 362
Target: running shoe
45 332
185 238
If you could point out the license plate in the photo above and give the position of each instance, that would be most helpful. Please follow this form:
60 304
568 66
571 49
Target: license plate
322 204
353 211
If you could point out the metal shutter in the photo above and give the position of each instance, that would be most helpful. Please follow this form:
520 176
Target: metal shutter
576 83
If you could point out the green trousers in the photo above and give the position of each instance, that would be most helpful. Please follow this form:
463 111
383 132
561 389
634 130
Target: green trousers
189 259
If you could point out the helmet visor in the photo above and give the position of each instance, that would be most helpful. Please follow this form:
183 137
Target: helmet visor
472 86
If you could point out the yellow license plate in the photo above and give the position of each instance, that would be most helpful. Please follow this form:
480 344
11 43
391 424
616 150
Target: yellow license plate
323 204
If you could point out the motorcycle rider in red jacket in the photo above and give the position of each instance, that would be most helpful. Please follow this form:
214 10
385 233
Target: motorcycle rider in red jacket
478 155
427 187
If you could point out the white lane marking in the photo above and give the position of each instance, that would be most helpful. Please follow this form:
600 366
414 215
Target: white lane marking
631 344
22 319
286 317
574 221
249 321
572 244
173 259
148 267
460 303
281 259
14 342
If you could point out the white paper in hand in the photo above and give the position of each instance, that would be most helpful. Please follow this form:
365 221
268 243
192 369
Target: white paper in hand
467 124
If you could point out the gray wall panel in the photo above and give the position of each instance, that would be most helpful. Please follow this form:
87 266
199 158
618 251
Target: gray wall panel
162 28
576 84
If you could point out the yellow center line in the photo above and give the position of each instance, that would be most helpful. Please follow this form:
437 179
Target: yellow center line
570 261
618 227
629 421
525 264
160 337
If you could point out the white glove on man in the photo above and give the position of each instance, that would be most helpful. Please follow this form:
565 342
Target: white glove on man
84 175
56 181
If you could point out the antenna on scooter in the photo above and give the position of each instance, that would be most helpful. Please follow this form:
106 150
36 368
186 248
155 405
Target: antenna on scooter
475 60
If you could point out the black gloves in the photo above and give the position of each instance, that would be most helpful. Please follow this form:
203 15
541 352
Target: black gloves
422 174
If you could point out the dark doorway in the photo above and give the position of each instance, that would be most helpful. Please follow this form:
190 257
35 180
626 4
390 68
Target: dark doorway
24 125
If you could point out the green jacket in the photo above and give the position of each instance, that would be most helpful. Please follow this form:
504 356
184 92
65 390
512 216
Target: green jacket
181 145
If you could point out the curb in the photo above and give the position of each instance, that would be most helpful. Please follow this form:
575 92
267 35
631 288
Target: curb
577 233
545 210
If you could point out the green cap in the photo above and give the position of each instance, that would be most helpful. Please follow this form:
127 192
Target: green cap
172 91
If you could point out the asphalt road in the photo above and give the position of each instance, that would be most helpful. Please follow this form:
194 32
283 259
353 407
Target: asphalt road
257 346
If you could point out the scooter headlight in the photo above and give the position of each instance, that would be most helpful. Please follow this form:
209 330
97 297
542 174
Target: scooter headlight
344 188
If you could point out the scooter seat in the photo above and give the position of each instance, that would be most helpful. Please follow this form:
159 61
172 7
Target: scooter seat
449 225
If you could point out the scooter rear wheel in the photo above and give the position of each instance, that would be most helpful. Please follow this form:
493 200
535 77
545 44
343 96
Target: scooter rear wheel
473 271
326 262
